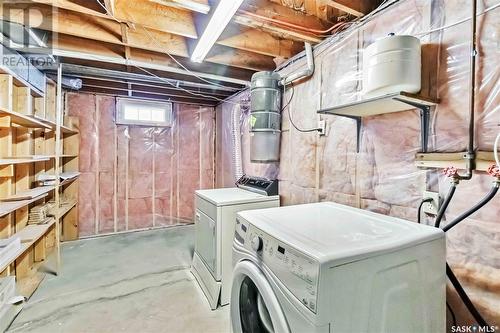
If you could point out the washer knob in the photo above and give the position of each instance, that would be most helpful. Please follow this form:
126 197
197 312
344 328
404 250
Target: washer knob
256 243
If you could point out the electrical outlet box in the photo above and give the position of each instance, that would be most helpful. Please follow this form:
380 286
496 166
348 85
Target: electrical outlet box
433 206
322 127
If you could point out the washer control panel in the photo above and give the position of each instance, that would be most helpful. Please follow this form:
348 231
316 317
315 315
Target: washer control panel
298 272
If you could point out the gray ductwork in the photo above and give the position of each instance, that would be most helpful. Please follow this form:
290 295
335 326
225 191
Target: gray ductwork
69 82
265 108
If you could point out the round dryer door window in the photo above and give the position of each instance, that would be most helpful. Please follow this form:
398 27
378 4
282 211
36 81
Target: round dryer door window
254 306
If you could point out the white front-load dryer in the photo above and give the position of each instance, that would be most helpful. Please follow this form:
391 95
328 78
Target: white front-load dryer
326 267
215 217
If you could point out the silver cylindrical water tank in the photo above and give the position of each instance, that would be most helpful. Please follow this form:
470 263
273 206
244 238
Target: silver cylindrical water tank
265 117
392 64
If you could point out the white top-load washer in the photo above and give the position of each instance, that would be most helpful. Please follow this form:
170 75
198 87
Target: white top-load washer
215 219
326 267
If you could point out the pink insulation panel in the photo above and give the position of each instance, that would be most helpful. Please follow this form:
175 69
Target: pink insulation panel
383 176
130 174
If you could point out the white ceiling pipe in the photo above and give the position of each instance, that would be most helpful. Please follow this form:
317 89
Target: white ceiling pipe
303 73
126 62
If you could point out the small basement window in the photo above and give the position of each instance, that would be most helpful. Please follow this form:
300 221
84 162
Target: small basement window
145 113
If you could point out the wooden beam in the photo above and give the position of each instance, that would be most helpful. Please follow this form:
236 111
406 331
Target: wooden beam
239 58
357 8
79 48
483 160
276 11
217 55
261 42
79 7
155 16
70 23
275 30
173 20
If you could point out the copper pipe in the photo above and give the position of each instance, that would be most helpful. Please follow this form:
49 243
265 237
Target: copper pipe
291 25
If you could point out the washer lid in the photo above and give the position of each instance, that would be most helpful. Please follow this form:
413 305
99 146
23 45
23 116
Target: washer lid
331 232
232 196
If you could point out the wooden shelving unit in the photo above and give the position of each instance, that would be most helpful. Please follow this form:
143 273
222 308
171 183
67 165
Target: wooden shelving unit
35 140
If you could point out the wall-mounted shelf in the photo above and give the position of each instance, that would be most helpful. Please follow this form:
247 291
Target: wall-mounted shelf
12 206
29 194
52 125
24 160
22 119
391 103
66 208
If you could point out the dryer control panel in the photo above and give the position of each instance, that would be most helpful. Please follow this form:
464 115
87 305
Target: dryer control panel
298 272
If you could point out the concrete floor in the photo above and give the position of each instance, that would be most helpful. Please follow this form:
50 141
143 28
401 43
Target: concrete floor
136 282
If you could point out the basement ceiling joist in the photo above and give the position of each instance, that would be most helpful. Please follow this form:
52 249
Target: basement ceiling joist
75 47
87 71
157 36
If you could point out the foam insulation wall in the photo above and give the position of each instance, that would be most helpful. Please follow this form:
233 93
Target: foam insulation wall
382 177
135 177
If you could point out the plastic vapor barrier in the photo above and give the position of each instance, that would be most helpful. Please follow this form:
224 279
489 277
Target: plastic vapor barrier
136 177
383 176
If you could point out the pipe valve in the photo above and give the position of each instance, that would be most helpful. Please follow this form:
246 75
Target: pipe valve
451 172
494 171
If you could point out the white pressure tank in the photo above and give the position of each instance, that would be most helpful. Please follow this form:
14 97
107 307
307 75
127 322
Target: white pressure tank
392 64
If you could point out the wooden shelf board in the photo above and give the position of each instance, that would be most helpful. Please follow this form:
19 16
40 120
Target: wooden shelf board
12 206
28 235
23 248
52 125
22 119
33 232
68 130
21 160
29 194
62 156
64 209
390 103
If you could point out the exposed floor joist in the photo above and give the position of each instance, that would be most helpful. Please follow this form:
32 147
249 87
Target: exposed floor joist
157 36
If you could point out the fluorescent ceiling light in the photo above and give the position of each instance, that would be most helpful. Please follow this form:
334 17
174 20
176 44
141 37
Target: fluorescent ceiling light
218 22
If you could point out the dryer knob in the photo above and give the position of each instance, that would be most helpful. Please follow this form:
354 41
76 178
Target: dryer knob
256 243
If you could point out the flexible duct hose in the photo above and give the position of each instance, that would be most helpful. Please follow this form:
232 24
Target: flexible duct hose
236 138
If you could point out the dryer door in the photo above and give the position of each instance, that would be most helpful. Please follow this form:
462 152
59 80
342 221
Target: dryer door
254 307
206 238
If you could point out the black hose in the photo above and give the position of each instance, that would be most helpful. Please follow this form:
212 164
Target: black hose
419 210
463 295
474 209
453 318
446 202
